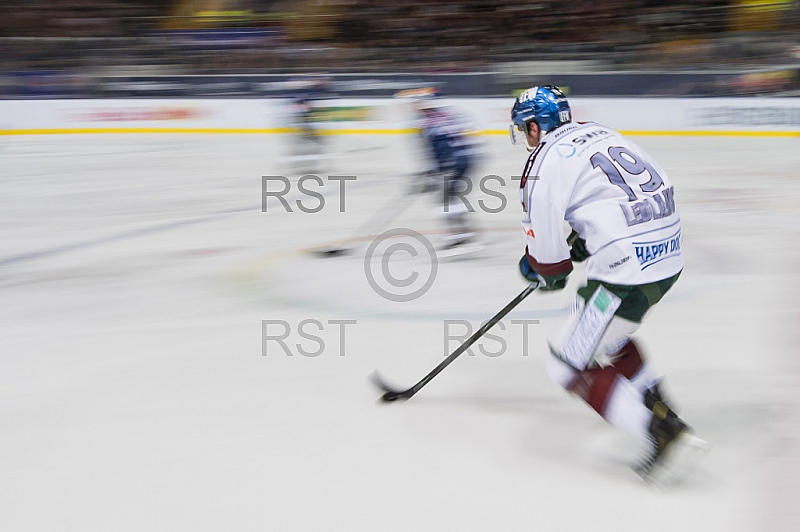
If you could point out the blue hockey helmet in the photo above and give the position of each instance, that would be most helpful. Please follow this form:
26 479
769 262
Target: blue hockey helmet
547 106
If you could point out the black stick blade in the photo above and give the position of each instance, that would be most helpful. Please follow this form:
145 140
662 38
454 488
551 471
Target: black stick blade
388 397
331 252
390 394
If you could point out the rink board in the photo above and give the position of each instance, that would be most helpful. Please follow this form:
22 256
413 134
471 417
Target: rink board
657 116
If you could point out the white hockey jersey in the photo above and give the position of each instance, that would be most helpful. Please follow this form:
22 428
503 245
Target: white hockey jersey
613 194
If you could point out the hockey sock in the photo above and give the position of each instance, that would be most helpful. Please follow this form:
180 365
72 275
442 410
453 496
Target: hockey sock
625 409
594 385
611 394
629 360
630 364
613 397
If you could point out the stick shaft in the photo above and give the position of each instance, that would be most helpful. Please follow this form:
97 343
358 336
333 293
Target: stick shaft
378 221
384 216
471 340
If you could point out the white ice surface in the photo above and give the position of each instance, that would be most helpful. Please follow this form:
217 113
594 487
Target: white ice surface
136 270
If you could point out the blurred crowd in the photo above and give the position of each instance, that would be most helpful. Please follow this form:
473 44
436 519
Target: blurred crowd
77 18
177 37
499 23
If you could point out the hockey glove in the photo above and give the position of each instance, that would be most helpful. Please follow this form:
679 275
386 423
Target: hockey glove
578 251
556 284
530 274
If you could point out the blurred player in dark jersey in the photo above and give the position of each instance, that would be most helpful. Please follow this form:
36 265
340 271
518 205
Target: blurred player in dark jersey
451 157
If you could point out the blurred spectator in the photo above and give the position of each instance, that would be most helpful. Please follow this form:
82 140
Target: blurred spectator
102 37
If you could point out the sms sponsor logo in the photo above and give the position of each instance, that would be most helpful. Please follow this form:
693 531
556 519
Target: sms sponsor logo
566 150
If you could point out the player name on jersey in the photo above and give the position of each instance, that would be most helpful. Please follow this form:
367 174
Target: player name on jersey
655 207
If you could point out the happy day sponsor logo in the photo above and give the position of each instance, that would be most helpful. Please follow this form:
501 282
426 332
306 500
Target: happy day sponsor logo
655 251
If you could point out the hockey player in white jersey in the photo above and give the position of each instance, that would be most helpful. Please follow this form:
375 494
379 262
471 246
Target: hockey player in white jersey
621 208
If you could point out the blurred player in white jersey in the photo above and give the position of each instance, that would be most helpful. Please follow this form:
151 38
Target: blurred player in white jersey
620 206
451 154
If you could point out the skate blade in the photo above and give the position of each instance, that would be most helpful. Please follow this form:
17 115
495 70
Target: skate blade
680 460
460 250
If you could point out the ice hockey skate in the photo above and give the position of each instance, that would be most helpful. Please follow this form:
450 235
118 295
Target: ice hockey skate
675 451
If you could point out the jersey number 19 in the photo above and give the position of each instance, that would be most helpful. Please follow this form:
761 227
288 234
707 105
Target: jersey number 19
627 162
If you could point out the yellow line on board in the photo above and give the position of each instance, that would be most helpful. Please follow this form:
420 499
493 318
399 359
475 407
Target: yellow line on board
330 132
198 130
690 133
111 130
400 131
715 133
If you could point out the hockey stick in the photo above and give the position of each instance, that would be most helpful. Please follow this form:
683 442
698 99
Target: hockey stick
397 205
392 395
